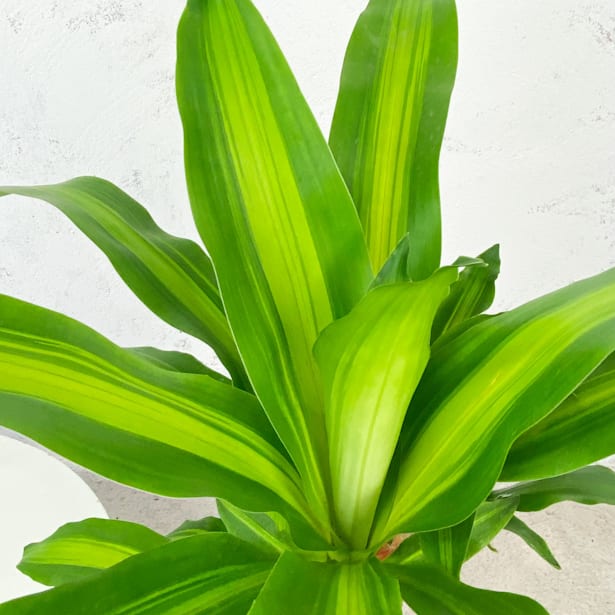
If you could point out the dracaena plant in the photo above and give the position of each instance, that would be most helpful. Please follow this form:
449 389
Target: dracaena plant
371 407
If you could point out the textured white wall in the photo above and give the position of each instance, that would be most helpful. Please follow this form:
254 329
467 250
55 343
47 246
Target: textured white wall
87 88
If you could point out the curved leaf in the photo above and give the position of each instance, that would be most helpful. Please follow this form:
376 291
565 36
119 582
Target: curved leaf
429 590
389 122
274 213
69 388
533 540
302 587
176 362
371 362
471 295
591 485
196 527
448 547
484 388
579 431
172 276
77 550
490 519
215 574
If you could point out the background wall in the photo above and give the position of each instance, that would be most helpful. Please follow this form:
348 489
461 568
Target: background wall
87 88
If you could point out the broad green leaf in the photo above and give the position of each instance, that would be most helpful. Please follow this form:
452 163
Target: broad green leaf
591 485
533 540
471 295
172 276
371 362
389 122
77 550
490 519
215 574
177 362
302 587
176 434
429 590
484 388
196 527
448 547
579 431
274 212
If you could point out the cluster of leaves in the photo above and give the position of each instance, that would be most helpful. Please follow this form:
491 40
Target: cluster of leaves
371 406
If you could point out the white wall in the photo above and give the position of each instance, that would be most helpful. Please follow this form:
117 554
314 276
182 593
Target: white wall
86 87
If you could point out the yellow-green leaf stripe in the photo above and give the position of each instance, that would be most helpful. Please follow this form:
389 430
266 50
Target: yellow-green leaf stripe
389 122
274 213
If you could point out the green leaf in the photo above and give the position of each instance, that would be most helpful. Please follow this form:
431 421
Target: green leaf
490 519
274 212
591 485
302 587
101 406
177 362
471 295
269 532
215 574
579 431
389 122
197 527
172 276
533 540
77 550
371 362
484 388
447 548
429 590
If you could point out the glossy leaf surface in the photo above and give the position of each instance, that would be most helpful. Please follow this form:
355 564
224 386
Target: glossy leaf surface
176 434
448 547
77 550
215 574
176 362
490 519
172 276
483 389
533 540
273 211
302 587
389 122
195 527
365 406
579 431
429 590
471 295
591 485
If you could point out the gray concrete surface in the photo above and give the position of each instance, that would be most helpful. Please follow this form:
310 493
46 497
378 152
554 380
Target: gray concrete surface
87 88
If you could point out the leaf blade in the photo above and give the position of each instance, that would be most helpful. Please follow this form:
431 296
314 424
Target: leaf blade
213 573
77 550
158 430
364 406
389 122
579 431
533 540
484 388
327 589
589 486
162 270
428 589
274 213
